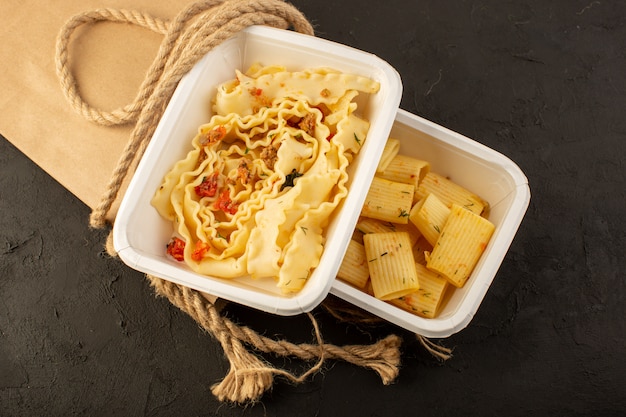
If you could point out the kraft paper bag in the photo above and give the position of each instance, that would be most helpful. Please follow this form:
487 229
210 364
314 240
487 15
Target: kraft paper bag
109 61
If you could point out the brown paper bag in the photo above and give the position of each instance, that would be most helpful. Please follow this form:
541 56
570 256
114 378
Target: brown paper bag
109 61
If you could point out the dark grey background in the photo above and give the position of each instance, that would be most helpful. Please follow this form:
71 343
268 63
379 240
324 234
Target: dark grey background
543 82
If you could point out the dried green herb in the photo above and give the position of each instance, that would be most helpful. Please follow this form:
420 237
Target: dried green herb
289 179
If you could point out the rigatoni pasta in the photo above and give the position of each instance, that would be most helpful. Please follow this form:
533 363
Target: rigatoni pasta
388 201
354 268
429 215
368 225
405 169
449 193
427 299
391 265
463 239
392 147
445 236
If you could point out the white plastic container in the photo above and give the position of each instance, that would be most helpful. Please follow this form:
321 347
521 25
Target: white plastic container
140 234
483 171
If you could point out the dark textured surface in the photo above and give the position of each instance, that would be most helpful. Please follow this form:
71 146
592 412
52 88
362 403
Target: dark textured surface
543 82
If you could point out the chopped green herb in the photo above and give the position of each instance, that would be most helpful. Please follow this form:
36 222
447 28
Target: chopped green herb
289 179
384 253
403 213
304 229
436 227
357 139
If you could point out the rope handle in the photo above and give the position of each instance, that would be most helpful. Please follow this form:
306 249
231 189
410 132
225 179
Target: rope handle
69 85
196 30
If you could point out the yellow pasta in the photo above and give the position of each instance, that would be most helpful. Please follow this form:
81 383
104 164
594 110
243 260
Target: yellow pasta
254 194
388 201
426 301
449 193
367 225
405 169
463 239
392 147
354 268
429 215
441 226
391 265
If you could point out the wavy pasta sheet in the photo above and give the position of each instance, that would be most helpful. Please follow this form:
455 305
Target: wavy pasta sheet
254 194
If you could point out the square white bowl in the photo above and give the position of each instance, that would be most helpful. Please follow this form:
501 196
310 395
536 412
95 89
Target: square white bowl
483 171
140 234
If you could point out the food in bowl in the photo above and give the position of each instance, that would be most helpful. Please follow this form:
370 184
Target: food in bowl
419 235
254 194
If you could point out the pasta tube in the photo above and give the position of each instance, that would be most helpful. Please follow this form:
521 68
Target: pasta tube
392 147
388 201
405 169
391 265
429 215
463 239
426 301
449 193
354 269
367 225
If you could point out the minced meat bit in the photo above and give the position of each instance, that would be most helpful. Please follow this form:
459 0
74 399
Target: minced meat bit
213 136
269 156
308 124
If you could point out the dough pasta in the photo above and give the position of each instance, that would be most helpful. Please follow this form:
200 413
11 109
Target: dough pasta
254 194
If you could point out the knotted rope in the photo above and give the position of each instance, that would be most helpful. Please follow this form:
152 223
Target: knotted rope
197 29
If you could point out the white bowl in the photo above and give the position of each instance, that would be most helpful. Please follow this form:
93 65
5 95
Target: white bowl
140 234
483 171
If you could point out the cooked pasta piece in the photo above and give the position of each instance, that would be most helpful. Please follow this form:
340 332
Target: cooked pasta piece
391 265
429 215
354 269
254 194
392 147
405 169
449 193
463 240
368 225
388 201
426 301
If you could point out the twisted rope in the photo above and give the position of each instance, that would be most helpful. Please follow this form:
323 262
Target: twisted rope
253 377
